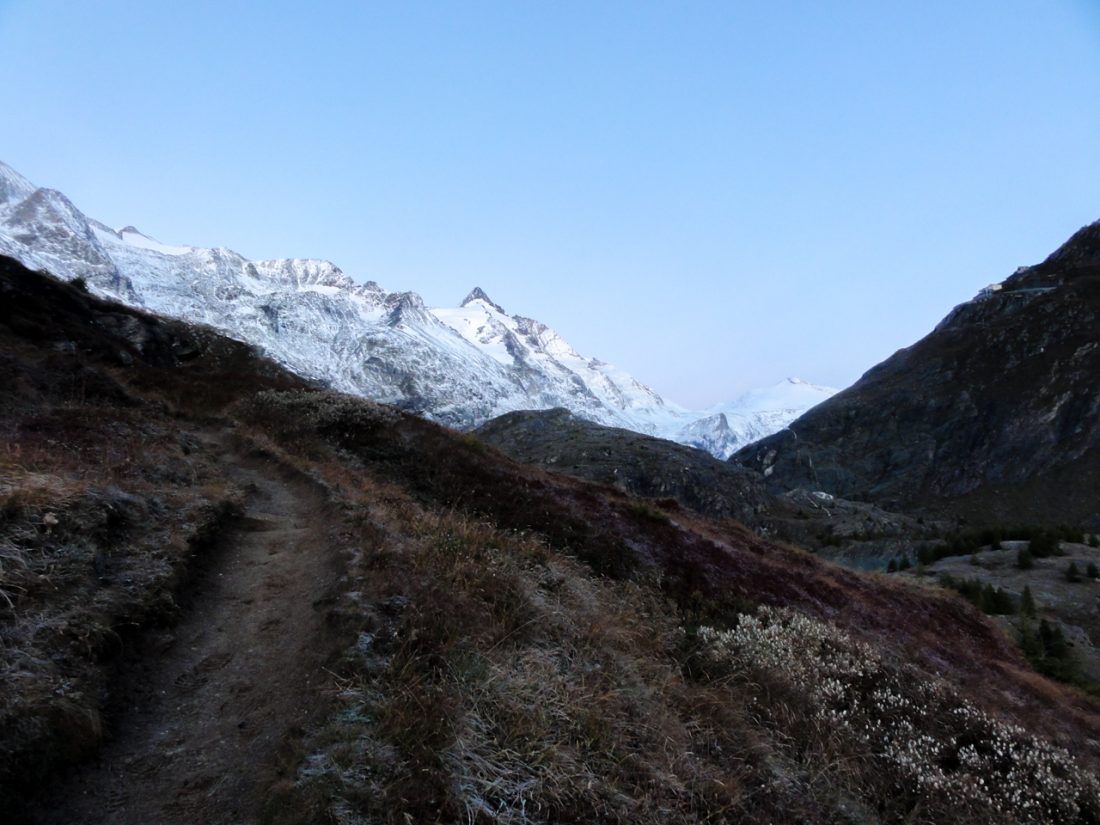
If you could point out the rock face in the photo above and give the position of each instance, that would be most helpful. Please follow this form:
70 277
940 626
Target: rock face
994 416
458 366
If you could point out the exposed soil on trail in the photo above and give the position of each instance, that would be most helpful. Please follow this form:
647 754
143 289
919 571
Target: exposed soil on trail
206 711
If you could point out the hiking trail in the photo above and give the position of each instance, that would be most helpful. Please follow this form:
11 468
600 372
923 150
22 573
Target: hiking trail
213 705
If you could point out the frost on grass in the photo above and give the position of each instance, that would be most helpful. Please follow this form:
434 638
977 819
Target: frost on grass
933 745
321 410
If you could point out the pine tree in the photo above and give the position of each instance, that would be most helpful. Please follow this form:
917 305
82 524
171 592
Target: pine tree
1092 572
904 565
892 567
1027 602
1072 573
987 599
1054 641
1024 559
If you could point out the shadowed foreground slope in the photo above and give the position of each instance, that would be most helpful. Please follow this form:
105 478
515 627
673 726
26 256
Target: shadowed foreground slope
502 644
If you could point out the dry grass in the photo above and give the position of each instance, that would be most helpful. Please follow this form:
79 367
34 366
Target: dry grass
80 561
501 676
527 649
496 680
107 498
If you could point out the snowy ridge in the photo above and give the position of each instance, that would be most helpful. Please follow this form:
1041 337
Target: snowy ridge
460 366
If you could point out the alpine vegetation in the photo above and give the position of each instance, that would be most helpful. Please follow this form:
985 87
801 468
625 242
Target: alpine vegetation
923 739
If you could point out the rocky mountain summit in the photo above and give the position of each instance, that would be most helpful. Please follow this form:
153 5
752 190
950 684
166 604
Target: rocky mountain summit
993 416
460 366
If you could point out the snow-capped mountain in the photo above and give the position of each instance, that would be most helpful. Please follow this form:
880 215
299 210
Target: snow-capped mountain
459 366
726 428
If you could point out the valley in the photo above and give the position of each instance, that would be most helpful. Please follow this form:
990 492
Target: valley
471 638
496 589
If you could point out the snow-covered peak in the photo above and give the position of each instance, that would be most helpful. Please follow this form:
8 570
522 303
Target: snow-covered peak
788 394
460 366
478 294
13 186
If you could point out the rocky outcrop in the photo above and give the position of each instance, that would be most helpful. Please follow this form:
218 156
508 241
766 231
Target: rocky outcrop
994 416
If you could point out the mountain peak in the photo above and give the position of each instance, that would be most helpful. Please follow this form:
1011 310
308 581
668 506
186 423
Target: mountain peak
13 186
478 294
1082 249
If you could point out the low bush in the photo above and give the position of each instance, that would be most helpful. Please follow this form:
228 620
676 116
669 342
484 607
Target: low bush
939 753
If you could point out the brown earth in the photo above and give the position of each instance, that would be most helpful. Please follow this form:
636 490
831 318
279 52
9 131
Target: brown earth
527 647
210 710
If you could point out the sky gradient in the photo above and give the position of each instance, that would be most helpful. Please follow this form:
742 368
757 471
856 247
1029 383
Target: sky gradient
710 195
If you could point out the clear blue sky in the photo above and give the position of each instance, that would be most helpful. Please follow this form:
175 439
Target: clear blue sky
710 195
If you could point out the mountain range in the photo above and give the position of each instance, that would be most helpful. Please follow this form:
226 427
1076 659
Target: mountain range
993 417
459 366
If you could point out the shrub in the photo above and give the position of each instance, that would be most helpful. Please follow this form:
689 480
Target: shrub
1094 540
1044 545
987 598
648 512
950 759
904 563
892 567
1092 572
1072 573
1048 651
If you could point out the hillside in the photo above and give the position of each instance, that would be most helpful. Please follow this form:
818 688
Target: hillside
459 366
994 416
676 475
465 638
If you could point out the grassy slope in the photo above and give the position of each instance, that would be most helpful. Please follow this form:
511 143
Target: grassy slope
494 658
107 497
522 647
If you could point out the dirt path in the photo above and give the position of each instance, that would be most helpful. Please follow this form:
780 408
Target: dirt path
211 707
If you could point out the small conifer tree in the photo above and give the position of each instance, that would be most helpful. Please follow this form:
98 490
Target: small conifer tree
1024 559
1072 573
892 567
987 599
1027 602
1091 571
904 563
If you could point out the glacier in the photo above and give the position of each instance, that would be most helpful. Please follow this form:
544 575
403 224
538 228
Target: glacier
459 366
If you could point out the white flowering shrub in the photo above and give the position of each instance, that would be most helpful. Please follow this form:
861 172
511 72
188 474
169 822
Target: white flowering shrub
937 749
